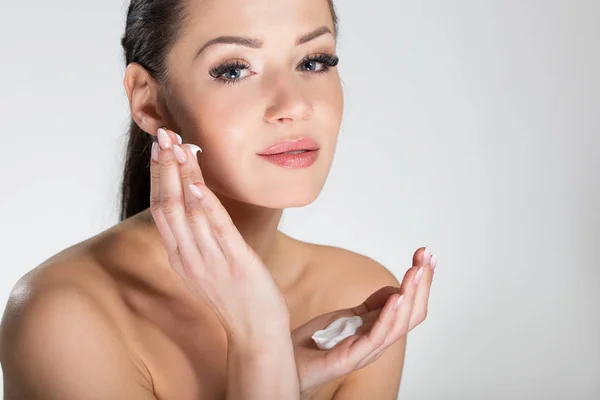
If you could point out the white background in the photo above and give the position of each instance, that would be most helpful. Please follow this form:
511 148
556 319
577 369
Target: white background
469 126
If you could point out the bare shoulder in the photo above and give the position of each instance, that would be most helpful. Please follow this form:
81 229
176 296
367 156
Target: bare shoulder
58 327
350 276
75 271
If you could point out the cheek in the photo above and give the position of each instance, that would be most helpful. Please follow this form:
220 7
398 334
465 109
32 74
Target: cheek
224 121
329 107
225 129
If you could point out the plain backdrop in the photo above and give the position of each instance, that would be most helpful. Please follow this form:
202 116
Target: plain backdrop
469 126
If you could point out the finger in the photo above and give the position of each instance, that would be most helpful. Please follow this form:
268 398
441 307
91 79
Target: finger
362 348
226 233
173 208
376 300
419 311
421 256
169 241
175 138
190 173
364 345
371 316
366 326
191 152
401 323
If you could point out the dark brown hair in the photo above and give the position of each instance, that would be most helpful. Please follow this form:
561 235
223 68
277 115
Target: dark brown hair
151 30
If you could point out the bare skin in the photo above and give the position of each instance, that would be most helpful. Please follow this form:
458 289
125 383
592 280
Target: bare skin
172 345
110 318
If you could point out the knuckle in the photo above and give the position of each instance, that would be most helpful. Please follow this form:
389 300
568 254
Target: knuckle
186 175
155 209
189 266
169 203
167 162
154 174
193 212
220 229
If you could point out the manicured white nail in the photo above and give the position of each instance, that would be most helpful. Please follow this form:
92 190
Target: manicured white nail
399 301
426 255
433 261
196 191
418 276
179 154
195 149
179 139
163 139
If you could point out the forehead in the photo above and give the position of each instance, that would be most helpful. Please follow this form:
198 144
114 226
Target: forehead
259 18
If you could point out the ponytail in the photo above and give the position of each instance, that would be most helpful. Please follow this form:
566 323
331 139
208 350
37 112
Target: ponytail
135 187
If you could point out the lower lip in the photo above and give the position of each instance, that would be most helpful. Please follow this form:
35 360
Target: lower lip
300 160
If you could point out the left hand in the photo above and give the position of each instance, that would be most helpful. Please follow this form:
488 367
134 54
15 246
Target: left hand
207 251
382 326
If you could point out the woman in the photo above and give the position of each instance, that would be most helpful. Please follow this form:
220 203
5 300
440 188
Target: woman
195 294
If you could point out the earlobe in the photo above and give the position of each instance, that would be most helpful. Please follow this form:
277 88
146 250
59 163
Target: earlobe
141 94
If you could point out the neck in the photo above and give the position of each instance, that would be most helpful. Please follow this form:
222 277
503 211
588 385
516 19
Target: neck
258 226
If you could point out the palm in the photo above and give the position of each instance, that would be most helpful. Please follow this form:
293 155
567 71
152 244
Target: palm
383 324
315 366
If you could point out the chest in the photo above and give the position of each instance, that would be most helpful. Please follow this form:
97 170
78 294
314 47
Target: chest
189 360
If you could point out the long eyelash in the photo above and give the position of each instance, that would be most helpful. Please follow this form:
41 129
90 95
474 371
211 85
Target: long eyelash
328 59
219 70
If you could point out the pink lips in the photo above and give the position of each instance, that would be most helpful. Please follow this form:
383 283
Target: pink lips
278 153
290 145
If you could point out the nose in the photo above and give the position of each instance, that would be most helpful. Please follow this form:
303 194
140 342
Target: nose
289 104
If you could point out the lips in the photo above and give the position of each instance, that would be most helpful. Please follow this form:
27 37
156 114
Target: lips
290 145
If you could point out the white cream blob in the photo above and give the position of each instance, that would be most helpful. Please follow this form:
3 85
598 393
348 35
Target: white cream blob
337 331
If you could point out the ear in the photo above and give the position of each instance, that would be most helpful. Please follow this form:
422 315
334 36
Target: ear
142 92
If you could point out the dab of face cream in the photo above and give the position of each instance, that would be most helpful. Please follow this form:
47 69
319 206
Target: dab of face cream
337 331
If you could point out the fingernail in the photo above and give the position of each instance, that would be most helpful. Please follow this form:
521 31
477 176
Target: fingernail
195 149
154 151
179 154
433 261
399 301
426 255
197 192
179 139
163 139
418 276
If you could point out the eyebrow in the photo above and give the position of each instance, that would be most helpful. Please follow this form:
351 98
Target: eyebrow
257 43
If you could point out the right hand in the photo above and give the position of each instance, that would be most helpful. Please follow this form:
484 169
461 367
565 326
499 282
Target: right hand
208 252
383 325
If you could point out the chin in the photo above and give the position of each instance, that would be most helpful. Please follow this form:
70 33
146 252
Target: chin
292 197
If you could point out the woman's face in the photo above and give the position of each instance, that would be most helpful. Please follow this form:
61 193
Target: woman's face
271 93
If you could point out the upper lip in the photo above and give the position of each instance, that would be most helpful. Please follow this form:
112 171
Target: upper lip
302 143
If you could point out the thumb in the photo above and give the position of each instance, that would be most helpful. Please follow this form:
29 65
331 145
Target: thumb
375 300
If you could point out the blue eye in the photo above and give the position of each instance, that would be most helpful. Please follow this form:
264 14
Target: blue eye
230 71
233 72
311 65
327 61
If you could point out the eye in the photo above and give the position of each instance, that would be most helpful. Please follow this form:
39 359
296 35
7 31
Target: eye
230 72
311 65
319 62
236 71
